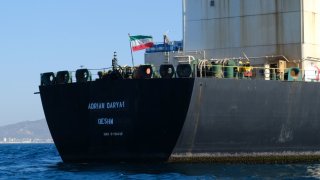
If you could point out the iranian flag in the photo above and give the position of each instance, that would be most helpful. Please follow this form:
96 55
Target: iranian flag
140 42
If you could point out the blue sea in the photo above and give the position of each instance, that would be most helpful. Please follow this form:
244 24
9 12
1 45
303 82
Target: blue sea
42 161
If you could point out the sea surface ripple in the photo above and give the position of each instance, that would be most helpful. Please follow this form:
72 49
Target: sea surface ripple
42 161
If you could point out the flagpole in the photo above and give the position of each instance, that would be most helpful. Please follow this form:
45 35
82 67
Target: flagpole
131 50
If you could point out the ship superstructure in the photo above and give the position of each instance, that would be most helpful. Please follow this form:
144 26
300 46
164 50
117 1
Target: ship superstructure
276 34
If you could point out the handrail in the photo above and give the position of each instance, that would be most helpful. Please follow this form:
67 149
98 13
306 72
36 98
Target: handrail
257 57
205 69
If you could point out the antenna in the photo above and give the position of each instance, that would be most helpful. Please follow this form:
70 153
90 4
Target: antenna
165 37
244 54
165 43
114 61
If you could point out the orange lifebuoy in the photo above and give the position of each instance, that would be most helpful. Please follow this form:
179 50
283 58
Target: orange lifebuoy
148 71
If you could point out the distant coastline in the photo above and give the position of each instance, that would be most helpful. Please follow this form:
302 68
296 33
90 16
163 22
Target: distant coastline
25 141
1 143
26 132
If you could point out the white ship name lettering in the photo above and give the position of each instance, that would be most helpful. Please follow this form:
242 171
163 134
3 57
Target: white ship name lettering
107 105
105 121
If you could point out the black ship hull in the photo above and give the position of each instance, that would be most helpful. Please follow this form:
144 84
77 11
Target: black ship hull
183 119
116 120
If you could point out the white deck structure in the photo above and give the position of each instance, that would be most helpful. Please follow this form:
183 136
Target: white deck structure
214 29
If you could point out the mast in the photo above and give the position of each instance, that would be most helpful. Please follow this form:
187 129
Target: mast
183 24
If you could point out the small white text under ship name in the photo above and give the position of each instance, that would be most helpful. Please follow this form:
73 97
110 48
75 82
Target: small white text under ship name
105 121
107 105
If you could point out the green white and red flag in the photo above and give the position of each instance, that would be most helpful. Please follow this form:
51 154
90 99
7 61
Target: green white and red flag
140 42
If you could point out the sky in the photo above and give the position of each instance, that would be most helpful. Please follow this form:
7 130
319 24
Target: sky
39 36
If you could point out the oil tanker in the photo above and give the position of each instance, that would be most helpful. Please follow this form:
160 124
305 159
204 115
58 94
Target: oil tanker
199 101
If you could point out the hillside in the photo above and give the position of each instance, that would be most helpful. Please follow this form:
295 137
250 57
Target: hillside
26 131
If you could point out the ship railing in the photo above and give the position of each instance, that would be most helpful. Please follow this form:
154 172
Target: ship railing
65 77
239 72
200 71
231 72
254 72
248 72
94 72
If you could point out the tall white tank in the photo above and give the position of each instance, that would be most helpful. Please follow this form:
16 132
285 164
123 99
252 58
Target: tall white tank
226 28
